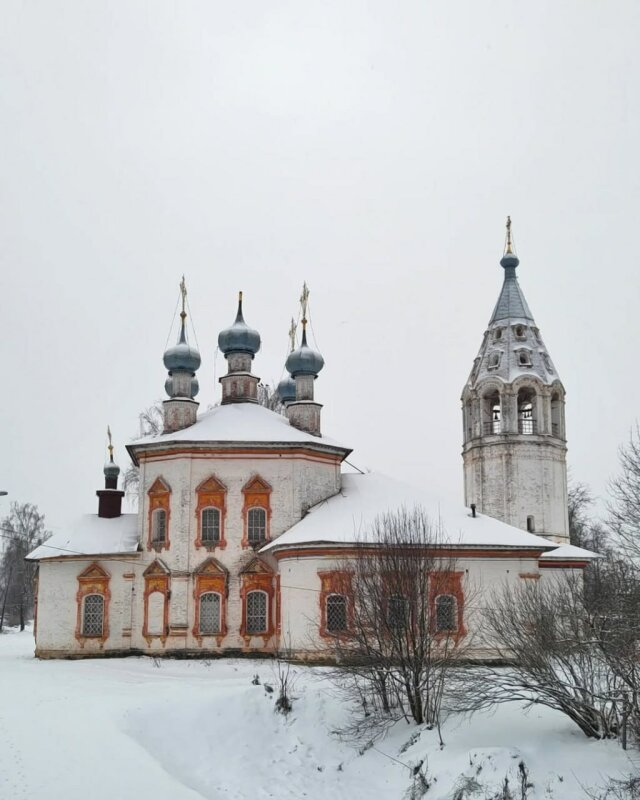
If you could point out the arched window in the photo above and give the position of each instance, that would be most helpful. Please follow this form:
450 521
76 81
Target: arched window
524 358
492 413
398 611
256 621
93 615
520 332
210 520
256 525
531 524
497 334
446 613
494 359
210 613
526 411
159 526
336 613
155 614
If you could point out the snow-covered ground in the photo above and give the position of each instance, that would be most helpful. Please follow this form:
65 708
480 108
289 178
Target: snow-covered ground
126 728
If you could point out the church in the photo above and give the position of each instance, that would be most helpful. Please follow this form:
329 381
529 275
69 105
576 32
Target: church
247 516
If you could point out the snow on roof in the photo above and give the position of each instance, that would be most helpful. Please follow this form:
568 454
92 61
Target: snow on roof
92 535
347 516
240 422
568 552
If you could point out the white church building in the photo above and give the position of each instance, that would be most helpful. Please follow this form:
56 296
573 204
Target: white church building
246 518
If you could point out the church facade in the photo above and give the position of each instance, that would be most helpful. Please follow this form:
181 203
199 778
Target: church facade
246 516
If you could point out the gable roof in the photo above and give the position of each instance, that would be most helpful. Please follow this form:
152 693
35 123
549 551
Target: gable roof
92 535
347 518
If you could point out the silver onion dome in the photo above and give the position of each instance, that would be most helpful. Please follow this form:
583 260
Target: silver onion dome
304 360
287 389
239 337
182 356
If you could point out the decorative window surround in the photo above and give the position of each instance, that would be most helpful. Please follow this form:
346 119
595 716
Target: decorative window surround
159 499
211 494
447 583
257 494
93 580
211 576
258 576
156 579
335 582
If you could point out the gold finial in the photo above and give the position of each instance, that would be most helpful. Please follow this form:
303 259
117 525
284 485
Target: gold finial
110 445
508 250
292 335
304 302
183 292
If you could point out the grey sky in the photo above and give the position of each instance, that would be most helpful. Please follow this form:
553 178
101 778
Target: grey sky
371 148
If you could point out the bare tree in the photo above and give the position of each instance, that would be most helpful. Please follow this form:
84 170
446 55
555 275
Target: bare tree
23 530
403 629
550 637
151 422
624 506
584 531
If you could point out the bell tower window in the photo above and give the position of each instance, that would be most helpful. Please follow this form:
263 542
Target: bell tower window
526 412
492 414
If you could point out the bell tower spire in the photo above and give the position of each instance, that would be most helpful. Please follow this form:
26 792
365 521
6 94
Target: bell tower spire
514 448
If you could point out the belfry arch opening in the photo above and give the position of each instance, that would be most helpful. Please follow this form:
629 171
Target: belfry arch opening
527 423
492 413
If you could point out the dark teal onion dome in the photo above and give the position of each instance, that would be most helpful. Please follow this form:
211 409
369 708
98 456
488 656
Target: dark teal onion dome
509 260
111 469
239 338
304 360
182 356
287 390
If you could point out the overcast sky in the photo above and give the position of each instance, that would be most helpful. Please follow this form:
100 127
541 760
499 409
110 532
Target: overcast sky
372 149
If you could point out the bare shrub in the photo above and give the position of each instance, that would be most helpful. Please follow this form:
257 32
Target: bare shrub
405 629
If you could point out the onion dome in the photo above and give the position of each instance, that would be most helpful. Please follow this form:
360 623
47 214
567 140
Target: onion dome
111 469
239 338
182 356
304 360
287 390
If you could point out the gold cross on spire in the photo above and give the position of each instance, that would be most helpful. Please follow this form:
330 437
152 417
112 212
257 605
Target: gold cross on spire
292 335
508 250
183 292
304 301
110 445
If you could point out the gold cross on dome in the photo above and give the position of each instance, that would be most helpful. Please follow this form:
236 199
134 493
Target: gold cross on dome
304 300
183 292
292 335
110 445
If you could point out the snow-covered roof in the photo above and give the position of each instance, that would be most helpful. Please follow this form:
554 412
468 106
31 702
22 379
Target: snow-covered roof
569 552
240 423
347 517
92 535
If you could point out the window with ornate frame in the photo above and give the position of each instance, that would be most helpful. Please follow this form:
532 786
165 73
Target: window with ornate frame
335 584
258 577
446 600
211 578
92 600
210 514
156 602
159 496
257 512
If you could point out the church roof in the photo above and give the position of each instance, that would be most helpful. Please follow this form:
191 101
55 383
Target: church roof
92 535
347 517
239 423
511 304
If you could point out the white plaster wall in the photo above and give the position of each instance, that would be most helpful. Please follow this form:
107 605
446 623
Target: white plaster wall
57 606
300 591
511 481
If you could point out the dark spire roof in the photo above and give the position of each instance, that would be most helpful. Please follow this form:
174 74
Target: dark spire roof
511 303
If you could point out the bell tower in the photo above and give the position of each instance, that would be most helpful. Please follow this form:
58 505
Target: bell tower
514 448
